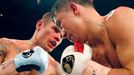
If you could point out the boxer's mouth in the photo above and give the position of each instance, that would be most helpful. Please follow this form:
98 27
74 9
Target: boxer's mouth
53 43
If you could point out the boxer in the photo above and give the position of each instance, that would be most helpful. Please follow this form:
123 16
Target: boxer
111 37
47 35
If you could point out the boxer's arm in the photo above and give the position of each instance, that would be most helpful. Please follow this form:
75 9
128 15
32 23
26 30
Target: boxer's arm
128 68
93 68
117 25
8 68
56 65
59 69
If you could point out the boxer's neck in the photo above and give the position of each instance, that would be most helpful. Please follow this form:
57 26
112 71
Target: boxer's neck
96 29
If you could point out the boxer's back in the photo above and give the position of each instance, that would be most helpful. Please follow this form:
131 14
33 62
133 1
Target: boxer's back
120 29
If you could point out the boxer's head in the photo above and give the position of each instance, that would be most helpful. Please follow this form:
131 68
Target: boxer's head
73 16
47 34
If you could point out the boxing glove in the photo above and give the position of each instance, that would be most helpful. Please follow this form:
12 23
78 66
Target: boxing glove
73 61
28 60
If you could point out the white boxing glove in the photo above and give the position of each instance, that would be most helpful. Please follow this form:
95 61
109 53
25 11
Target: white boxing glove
74 62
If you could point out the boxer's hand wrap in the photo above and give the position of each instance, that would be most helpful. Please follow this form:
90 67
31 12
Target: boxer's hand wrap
35 58
93 68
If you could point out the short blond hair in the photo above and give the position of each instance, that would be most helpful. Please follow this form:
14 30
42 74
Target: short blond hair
47 18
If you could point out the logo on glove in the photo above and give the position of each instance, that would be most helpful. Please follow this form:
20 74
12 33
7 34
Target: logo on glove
28 53
68 63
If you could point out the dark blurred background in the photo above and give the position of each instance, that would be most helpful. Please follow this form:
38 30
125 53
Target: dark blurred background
18 17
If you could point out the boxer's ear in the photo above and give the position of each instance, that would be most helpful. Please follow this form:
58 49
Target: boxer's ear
39 24
74 8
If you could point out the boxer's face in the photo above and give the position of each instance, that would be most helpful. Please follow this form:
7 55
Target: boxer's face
49 36
72 24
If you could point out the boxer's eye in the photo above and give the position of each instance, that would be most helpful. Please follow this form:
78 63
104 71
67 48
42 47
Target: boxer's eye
56 29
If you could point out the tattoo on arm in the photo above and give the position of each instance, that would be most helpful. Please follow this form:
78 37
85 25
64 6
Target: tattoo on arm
7 64
94 72
8 68
2 47
2 50
2 53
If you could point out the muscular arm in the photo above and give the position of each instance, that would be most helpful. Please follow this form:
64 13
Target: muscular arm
126 57
56 66
120 27
59 69
6 68
93 68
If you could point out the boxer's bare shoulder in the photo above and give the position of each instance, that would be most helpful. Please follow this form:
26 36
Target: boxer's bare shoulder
120 14
120 23
7 43
120 28
8 49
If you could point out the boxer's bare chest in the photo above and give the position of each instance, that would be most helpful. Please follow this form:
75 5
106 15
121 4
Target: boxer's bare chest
106 55
99 55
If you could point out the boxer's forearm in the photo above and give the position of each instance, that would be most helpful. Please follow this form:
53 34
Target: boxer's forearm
59 70
56 65
8 68
120 72
93 68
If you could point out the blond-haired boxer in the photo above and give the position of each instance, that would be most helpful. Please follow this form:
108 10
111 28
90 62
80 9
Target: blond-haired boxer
111 37
47 35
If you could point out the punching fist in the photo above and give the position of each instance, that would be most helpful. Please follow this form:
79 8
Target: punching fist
35 58
73 61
